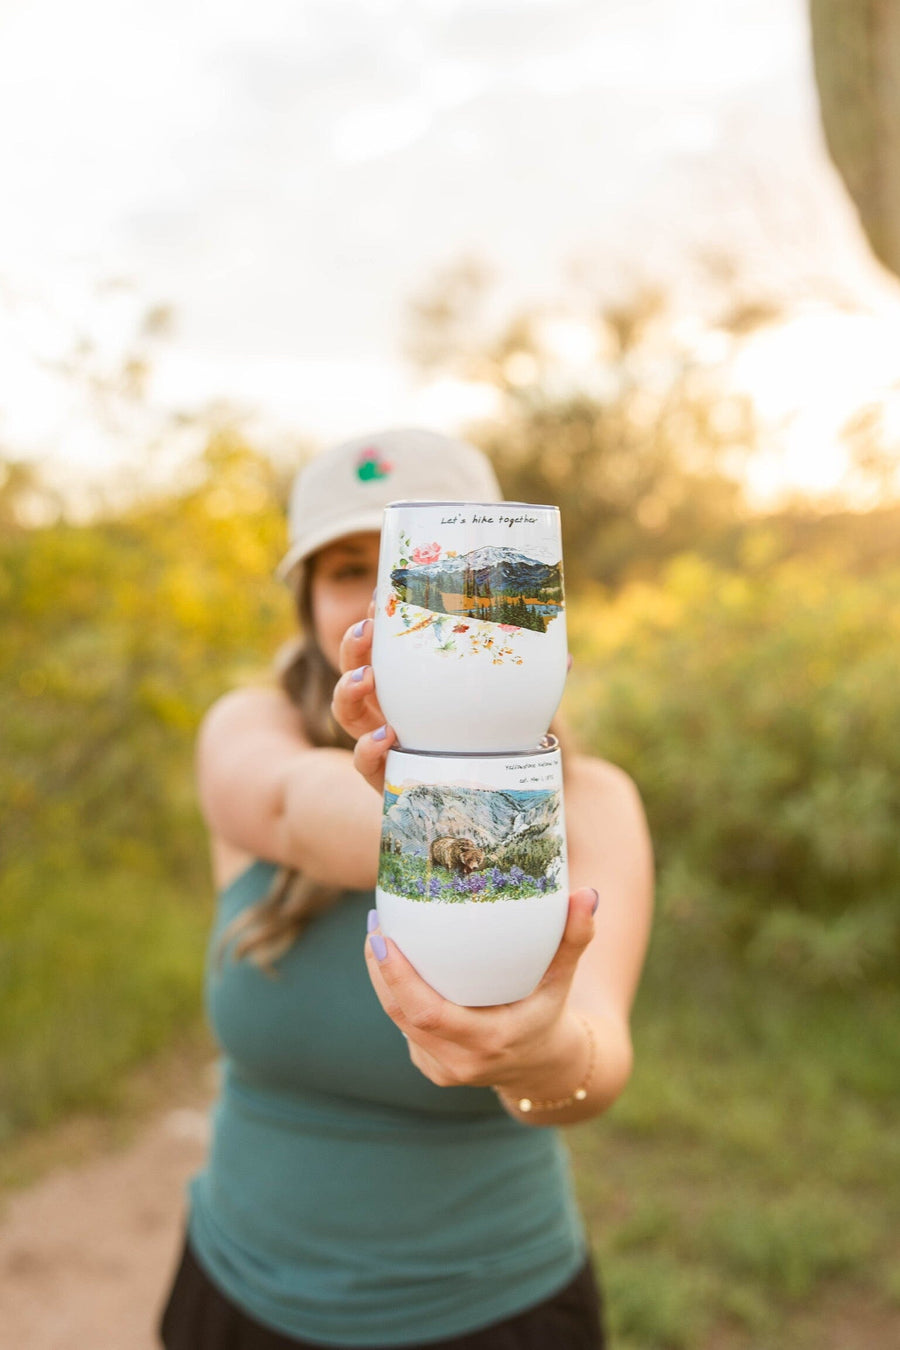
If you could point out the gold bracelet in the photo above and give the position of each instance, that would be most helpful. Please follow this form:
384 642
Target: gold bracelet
527 1104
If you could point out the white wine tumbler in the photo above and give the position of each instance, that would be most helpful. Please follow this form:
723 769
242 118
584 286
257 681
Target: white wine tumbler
473 878
469 647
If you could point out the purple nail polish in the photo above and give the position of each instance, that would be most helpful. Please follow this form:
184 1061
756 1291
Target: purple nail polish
358 674
380 734
371 920
379 946
596 900
360 628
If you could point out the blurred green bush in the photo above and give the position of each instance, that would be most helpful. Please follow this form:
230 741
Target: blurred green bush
117 636
757 711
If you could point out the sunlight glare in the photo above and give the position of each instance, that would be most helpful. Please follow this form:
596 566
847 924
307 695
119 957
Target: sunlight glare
807 377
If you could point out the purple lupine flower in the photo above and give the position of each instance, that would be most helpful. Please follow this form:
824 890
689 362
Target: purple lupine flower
543 884
459 884
497 878
516 875
419 886
434 887
476 884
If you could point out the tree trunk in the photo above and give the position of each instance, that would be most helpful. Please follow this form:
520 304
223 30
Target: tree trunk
856 53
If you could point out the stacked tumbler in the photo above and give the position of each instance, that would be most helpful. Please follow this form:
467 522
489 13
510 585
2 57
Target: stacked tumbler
469 655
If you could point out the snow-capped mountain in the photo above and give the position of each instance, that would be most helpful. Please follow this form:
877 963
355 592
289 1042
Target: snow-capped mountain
495 571
488 818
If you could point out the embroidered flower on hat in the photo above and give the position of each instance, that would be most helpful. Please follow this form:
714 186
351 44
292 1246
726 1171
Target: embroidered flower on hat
370 465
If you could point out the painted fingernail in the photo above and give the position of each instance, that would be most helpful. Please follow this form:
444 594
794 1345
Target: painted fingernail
380 734
570 661
358 674
596 900
360 628
379 946
371 920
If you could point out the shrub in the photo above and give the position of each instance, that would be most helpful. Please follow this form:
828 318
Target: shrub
758 712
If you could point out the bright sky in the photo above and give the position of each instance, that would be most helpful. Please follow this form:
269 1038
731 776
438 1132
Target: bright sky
287 174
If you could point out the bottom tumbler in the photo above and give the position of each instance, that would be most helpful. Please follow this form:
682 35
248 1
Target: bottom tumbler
472 879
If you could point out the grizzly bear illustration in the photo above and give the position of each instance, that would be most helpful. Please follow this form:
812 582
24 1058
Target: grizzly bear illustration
457 855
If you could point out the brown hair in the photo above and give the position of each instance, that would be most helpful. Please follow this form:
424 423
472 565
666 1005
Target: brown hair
266 930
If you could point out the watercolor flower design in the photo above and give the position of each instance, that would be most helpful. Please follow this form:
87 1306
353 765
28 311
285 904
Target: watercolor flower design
426 553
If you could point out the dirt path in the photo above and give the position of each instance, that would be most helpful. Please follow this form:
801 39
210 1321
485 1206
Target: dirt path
87 1252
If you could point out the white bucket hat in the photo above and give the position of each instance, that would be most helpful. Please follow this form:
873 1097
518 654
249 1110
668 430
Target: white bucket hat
344 490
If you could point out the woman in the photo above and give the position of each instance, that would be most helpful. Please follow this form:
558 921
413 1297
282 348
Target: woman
365 1187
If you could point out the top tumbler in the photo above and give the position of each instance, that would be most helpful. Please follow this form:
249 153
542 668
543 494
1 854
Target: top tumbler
469 648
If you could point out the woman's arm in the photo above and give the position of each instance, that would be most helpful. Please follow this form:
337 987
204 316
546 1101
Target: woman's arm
266 790
609 849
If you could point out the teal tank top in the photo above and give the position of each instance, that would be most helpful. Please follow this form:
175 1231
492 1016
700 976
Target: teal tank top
346 1199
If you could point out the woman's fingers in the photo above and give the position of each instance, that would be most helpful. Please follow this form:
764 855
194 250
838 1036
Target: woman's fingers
370 754
417 1009
431 1067
477 1046
577 934
354 704
356 644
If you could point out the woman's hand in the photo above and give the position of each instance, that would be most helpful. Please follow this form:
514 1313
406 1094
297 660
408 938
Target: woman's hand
538 1046
535 1047
355 704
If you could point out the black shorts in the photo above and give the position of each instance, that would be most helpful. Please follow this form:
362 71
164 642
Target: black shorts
199 1317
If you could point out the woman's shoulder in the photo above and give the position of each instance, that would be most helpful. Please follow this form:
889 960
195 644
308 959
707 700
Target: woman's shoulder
606 825
600 794
600 777
254 725
251 707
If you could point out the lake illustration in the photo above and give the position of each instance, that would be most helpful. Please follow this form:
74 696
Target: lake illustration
492 584
450 843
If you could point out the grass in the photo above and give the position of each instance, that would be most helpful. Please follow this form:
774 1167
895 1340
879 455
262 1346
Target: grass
742 1194
96 974
185 1073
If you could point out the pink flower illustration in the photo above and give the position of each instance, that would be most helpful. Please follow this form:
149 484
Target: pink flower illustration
426 553
507 627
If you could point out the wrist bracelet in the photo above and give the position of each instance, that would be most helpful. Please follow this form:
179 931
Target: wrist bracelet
527 1104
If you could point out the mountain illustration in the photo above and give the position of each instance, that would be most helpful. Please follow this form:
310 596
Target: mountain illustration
489 818
456 844
496 584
